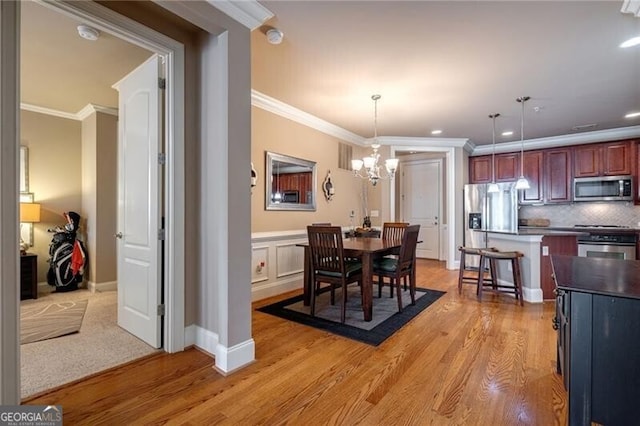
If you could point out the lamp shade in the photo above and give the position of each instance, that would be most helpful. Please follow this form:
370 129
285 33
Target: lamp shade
29 212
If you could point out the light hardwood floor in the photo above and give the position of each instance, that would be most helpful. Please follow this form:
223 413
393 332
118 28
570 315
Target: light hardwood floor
458 362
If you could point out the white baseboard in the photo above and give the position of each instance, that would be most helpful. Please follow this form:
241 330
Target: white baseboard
230 359
263 291
532 295
104 286
227 360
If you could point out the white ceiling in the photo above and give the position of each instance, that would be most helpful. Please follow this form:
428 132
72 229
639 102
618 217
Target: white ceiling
449 64
437 64
61 71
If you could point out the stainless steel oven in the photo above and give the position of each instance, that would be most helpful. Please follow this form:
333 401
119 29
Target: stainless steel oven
611 246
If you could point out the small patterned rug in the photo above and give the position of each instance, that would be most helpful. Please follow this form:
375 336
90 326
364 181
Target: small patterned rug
46 321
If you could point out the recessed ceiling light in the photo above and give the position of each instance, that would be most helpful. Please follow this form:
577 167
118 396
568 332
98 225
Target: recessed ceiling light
88 33
631 42
436 132
632 115
507 133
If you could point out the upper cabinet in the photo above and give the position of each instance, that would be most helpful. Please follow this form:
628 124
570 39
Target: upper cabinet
507 168
603 159
534 171
550 172
480 169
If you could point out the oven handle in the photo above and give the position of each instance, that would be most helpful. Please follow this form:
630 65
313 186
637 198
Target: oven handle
605 243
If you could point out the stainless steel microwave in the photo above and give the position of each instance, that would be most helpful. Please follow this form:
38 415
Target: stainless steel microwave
604 188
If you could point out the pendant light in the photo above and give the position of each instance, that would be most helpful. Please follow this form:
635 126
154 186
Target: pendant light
493 186
522 182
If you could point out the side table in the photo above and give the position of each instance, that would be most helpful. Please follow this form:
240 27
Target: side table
28 276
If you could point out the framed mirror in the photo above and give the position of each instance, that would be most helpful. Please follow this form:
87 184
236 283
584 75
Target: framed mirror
290 183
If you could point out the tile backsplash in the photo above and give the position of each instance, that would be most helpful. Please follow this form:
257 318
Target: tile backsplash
587 213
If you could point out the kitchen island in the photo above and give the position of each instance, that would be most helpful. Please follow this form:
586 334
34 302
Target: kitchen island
537 244
598 322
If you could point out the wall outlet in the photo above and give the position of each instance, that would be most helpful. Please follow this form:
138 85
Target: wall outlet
545 250
375 213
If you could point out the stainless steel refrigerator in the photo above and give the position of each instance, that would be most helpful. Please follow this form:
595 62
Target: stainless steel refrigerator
485 211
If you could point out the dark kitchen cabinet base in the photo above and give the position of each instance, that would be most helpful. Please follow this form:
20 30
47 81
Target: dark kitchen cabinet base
603 352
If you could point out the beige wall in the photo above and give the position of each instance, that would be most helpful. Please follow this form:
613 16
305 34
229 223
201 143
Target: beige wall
99 192
270 132
54 174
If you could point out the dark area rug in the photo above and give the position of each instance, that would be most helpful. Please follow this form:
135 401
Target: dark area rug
386 318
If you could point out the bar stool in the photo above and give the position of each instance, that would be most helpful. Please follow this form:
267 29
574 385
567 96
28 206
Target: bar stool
471 275
494 286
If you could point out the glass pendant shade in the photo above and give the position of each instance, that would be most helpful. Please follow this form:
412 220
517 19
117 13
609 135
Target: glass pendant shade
369 162
522 183
356 165
392 165
493 188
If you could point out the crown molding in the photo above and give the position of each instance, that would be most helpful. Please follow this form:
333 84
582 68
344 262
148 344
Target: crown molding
249 13
562 140
48 111
267 103
631 6
91 108
79 116
400 141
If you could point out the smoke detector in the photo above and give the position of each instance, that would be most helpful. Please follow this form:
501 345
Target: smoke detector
88 33
274 36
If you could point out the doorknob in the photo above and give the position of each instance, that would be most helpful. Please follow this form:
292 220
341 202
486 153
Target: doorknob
118 235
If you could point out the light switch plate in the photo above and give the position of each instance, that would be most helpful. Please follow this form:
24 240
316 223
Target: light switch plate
375 213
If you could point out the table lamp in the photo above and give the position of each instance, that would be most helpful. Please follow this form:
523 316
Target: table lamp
29 213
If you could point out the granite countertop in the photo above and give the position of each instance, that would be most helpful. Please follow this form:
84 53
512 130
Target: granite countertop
610 277
581 230
529 230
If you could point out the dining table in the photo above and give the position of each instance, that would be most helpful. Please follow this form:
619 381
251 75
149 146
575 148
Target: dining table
366 249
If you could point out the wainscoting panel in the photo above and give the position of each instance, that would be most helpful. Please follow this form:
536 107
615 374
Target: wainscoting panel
290 259
259 263
286 274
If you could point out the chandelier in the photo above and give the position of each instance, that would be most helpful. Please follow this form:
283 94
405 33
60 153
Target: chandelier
372 169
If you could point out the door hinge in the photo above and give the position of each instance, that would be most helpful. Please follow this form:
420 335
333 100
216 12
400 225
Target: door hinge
160 310
162 158
162 83
161 234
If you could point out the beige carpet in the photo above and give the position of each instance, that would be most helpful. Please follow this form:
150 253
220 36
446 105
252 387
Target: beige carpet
43 321
99 345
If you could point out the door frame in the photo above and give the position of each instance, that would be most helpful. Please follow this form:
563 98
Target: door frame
450 195
174 203
418 162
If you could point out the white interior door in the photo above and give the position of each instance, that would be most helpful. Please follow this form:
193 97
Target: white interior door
139 283
421 203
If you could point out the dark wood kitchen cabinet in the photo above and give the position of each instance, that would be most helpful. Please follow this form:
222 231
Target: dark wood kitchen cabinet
507 168
603 159
480 169
533 170
558 175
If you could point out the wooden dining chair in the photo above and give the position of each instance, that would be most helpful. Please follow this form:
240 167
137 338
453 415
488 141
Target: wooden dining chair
393 230
329 265
402 267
